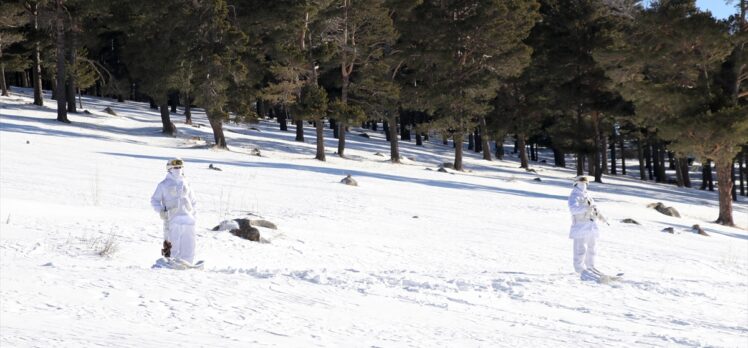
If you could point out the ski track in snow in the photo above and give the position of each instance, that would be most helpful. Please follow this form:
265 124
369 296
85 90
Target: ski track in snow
409 258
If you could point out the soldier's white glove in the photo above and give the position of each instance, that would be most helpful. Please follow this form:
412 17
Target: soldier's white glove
164 214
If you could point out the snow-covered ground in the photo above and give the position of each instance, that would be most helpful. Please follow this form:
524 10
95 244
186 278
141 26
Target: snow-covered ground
410 257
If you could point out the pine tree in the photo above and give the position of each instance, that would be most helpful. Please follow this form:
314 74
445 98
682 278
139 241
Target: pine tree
32 8
10 33
153 51
217 50
467 49
673 66
359 31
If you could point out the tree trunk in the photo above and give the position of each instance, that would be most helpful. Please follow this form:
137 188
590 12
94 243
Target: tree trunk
471 143
70 85
648 157
741 171
706 176
599 147
683 163
499 150
559 159
678 173
523 162
53 82
580 164
187 108
217 126
445 139
25 79
341 137
661 174
152 102
80 99
62 111
281 116
671 160
724 184
478 141
386 128
394 146
299 131
623 158
320 127
419 139
734 191
532 152
174 101
604 152
167 126
344 121
656 159
591 165
3 85
640 155
458 151
404 131
516 146
613 163
36 67
484 139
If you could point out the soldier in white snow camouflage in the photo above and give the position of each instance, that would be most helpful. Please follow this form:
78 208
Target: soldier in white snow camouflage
175 203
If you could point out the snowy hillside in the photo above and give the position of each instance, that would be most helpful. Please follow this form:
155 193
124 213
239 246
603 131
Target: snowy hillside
410 257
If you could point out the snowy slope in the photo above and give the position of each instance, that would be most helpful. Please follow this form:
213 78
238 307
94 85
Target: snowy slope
411 257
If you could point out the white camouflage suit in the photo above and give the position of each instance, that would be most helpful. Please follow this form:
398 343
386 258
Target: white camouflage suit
175 201
584 230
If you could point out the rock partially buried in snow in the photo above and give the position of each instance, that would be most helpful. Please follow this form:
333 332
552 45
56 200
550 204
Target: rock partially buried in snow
669 211
698 230
364 135
109 110
379 154
441 169
348 180
255 152
211 166
669 230
630 221
538 179
243 228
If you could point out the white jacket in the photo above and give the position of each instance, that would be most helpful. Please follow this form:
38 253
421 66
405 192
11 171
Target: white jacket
176 198
583 222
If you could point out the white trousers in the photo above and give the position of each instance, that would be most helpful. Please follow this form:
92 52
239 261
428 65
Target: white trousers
584 253
182 239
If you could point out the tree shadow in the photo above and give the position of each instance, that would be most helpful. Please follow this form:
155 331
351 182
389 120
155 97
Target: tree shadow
358 173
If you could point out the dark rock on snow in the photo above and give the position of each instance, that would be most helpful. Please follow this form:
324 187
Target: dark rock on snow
109 110
669 211
243 228
698 230
348 180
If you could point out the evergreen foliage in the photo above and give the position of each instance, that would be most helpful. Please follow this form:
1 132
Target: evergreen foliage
572 75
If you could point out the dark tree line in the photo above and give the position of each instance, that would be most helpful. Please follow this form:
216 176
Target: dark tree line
600 80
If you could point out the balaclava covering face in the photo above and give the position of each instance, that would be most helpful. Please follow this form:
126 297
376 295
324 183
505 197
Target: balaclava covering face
176 174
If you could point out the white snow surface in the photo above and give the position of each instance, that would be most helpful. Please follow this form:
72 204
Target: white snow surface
410 257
